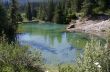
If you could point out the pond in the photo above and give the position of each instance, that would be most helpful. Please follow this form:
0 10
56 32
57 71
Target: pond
55 44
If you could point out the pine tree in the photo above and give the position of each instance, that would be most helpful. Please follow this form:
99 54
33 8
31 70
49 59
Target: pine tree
12 28
68 9
34 12
19 17
50 10
66 6
3 20
87 7
41 14
102 5
58 15
76 5
14 13
9 26
29 11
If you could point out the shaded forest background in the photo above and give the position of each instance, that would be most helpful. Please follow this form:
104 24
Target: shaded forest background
62 11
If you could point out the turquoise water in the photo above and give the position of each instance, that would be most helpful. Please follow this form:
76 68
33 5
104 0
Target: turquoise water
55 44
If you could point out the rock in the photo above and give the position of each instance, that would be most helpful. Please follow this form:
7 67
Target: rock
71 26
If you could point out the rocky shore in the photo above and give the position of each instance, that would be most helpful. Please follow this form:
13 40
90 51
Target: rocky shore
96 27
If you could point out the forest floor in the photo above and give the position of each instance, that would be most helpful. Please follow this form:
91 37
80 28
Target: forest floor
94 27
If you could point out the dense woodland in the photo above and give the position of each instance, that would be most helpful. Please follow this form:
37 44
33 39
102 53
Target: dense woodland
63 11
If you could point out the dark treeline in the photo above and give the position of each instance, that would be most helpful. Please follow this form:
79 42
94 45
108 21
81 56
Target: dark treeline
64 11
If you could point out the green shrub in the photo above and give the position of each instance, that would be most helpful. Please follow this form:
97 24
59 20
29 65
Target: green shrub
70 68
14 58
96 58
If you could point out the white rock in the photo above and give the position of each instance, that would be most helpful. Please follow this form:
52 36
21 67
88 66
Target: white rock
46 71
99 66
97 63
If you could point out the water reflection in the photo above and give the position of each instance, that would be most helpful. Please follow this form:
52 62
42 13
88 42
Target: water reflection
55 45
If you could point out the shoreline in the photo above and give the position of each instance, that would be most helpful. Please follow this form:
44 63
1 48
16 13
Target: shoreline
97 28
27 21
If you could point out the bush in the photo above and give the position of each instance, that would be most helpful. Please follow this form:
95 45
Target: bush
20 18
96 58
14 58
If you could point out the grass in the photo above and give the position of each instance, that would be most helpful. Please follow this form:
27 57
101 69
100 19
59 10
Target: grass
96 58
51 68
14 58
